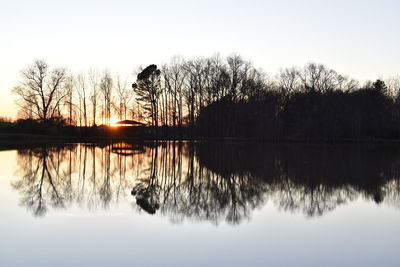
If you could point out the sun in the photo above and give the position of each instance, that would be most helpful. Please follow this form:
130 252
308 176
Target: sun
113 122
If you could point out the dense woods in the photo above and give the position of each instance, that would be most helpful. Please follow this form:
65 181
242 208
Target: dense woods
216 97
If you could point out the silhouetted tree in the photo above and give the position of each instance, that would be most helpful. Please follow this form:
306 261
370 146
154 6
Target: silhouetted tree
41 90
123 98
94 84
82 95
69 102
148 89
380 86
106 86
174 81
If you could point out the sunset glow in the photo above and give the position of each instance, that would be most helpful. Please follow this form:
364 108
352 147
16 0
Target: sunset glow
273 34
200 133
113 122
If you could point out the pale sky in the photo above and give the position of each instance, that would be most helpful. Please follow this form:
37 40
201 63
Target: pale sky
359 38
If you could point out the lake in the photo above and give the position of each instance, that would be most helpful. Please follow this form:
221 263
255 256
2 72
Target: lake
200 204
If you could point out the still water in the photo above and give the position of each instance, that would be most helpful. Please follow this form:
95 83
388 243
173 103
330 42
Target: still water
200 204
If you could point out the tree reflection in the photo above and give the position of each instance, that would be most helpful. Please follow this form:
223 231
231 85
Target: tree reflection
313 179
207 181
58 177
41 184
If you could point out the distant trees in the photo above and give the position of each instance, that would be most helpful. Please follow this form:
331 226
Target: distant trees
380 86
174 79
194 88
288 81
307 114
393 87
238 70
216 96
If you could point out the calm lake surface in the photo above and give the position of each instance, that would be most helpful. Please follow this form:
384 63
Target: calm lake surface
200 204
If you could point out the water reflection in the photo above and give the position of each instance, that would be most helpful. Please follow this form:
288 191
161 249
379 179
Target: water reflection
206 181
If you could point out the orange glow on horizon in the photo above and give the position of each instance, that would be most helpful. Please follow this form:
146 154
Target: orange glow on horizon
113 122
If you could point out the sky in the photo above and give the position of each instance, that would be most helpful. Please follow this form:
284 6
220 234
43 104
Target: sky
358 38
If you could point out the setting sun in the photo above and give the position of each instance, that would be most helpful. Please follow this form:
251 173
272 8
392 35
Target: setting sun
113 122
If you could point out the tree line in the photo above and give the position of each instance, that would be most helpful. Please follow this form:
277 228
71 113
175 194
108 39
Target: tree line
85 99
218 97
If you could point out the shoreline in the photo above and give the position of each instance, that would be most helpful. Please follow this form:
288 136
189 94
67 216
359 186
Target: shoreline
7 139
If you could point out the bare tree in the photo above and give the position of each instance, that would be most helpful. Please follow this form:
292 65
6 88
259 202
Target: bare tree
94 84
69 87
82 94
346 84
393 86
194 93
106 86
217 80
124 96
174 81
238 69
289 81
41 90
318 78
